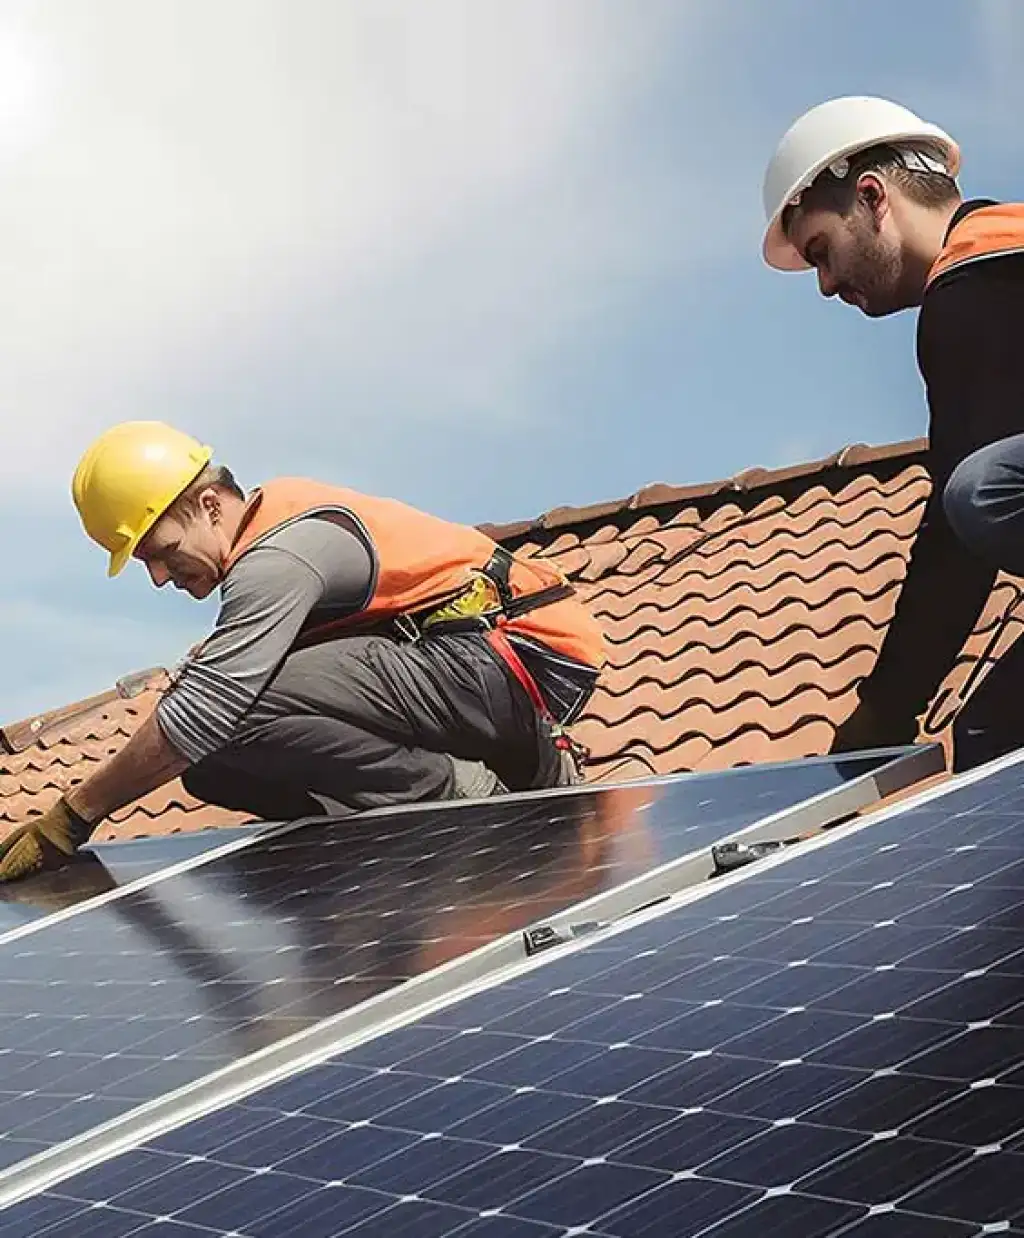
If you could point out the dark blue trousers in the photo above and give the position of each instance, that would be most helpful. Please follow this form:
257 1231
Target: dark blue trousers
984 503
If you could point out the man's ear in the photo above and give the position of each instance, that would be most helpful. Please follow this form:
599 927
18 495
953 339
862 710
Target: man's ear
873 193
210 504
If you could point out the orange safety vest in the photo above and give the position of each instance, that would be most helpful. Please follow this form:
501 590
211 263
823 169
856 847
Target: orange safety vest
988 232
422 561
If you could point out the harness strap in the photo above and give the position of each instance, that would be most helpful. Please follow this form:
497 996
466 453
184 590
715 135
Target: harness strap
560 737
505 650
479 614
498 569
491 620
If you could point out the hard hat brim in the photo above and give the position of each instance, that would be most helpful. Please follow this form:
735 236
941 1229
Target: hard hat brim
118 560
778 250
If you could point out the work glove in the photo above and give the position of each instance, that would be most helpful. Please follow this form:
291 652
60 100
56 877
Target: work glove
46 843
866 727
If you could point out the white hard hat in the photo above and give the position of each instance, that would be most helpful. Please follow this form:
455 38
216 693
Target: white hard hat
826 134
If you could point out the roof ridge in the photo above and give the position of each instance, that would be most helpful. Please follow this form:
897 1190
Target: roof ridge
38 729
853 457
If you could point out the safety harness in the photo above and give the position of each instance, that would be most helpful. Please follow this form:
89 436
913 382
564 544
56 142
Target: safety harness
488 605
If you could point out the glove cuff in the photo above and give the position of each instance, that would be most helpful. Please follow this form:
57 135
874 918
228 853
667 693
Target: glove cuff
79 830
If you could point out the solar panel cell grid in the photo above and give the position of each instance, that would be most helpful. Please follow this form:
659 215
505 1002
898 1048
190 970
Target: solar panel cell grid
122 1003
875 1094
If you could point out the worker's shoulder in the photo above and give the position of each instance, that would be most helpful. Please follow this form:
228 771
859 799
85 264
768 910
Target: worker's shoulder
985 274
987 267
310 536
316 546
977 297
968 338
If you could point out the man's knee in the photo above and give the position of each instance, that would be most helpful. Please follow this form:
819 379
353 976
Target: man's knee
213 782
972 745
241 789
984 502
975 743
201 781
990 724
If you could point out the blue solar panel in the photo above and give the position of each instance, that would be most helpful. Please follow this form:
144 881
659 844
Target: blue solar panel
103 867
830 1046
129 1000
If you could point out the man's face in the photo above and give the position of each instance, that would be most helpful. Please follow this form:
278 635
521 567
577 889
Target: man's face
857 258
186 549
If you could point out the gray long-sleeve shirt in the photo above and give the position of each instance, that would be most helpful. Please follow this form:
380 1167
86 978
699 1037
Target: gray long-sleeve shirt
316 569
312 571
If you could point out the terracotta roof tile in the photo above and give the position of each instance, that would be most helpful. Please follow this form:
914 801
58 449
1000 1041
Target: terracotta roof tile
602 560
742 614
70 748
740 617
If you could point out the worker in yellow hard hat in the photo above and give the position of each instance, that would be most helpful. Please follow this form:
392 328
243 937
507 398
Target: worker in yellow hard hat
864 193
365 653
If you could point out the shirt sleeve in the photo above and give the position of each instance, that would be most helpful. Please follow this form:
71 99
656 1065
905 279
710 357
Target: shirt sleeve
970 355
266 599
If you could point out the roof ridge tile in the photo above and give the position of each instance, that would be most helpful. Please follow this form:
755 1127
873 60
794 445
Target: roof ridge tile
853 456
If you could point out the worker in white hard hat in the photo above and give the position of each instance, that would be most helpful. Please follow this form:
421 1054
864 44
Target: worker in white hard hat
864 192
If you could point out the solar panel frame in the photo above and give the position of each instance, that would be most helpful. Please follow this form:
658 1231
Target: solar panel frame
572 1140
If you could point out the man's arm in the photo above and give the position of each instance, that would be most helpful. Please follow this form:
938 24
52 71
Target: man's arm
266 600
973 365
941 598
49 841
146 762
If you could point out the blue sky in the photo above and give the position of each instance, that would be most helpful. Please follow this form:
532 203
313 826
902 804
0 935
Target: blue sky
488 256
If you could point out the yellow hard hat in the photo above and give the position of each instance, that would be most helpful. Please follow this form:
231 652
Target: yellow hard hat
128 478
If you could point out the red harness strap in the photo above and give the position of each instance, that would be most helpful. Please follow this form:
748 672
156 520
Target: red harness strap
503 647
561 738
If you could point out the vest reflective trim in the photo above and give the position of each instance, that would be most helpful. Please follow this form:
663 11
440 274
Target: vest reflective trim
987 232
971 259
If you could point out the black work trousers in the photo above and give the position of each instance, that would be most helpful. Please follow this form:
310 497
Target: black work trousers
984 503
365 721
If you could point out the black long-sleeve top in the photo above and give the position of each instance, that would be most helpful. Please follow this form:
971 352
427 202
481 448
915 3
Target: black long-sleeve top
970 350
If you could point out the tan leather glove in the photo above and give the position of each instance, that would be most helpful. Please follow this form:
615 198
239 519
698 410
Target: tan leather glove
46 843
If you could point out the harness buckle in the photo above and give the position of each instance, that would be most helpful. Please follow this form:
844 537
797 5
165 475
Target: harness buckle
407 628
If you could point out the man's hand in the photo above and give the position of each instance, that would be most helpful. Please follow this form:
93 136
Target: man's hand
46 843
867 728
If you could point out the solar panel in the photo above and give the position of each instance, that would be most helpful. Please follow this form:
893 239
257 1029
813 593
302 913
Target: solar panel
107 866
129 1000
826 1045
687 811
735 796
